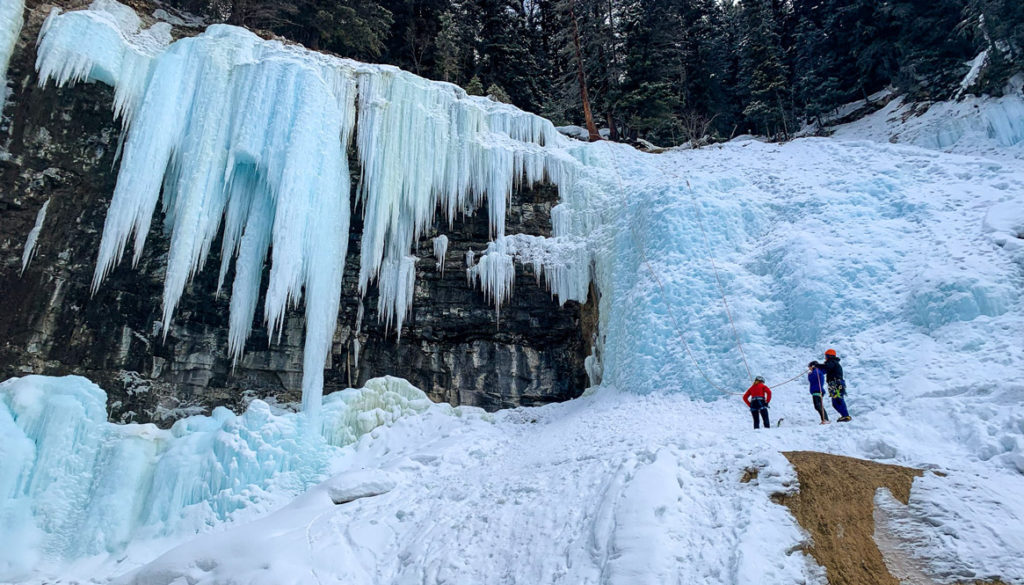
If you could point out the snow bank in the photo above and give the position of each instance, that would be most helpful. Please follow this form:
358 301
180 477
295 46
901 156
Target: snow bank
74 485
360 484
974 125
1004 223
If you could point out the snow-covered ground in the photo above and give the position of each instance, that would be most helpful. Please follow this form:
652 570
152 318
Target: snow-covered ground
906 258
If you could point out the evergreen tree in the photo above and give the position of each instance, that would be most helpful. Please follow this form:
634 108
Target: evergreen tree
351 28
496 93
412 44
998 26
475 86
763 70
456 42
506 58
930 50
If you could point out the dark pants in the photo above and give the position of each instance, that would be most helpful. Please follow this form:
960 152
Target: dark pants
758 408
837 390
819 406
840 405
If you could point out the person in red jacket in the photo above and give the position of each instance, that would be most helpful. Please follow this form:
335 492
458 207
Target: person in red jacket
757 398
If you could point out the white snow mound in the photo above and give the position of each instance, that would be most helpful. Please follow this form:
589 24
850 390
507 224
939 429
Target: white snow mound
360 484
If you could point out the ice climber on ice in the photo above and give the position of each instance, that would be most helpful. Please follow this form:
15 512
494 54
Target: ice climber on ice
816 378
757 397
836 384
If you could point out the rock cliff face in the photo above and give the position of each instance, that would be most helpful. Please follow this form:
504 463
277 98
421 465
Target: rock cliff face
60 145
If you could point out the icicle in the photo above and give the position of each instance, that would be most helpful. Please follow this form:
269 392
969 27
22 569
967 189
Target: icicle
397 286
33 237
227 129
592 365
440 251
469 267
11 19
102 44
565 264
496 273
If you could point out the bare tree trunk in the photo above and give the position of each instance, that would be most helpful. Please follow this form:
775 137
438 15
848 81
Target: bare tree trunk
782 113
587 116
238 12
613 132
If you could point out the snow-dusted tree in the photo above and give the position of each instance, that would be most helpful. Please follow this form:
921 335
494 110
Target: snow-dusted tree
999 27
763 72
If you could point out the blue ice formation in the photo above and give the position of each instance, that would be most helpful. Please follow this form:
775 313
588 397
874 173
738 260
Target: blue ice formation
11 19
73 485
33 236
253 134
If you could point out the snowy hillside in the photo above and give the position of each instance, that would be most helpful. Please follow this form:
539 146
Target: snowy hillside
909 261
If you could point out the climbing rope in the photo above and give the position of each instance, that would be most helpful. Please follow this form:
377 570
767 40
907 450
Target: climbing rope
789 380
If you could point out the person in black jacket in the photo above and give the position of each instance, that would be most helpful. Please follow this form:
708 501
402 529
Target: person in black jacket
836 384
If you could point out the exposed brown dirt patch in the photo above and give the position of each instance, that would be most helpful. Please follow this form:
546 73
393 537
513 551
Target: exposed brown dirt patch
749 474
836 505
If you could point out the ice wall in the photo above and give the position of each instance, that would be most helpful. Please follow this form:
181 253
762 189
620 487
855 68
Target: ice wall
11 19
73 485
229 129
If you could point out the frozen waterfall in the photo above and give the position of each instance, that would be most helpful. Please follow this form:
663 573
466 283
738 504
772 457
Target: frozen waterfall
227 129
11 18
251 134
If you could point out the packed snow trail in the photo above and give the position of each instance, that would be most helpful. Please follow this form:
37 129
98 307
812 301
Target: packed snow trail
610 489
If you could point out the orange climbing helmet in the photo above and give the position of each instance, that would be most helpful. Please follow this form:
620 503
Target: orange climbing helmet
830 352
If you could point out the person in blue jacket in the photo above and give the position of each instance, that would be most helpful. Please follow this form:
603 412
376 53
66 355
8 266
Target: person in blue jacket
836 384
816 378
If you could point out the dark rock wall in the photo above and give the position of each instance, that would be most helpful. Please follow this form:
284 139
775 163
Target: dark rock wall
60 144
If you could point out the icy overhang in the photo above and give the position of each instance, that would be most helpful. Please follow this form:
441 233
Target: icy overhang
228 129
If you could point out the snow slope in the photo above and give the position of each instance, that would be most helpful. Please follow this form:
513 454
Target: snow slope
899 257
876 249
992 127
906 260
